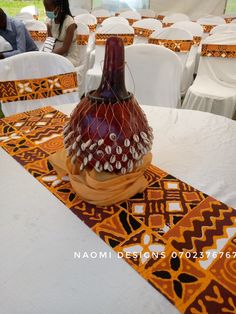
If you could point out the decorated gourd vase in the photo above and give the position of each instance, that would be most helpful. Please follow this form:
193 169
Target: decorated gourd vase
108 131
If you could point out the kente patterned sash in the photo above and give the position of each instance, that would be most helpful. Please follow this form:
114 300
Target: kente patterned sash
38 88
143 32
184 240
174 45
167 24
92 27
131 21
197 40
222 51
207 28
229 19
146 17
82 40
100 19
100 39
38 35
160 17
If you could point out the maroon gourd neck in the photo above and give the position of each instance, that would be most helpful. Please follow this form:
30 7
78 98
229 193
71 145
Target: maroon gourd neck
112 87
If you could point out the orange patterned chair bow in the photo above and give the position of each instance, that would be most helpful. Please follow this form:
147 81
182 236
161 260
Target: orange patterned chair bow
174 45
131 21
160 17
32 89
101 39
229 19
92 27
38 35
100 19
143 32
82 39
197 40
145 17
218 51
207 28
167 24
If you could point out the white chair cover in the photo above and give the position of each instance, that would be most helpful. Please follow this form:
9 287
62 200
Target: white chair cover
210 20
175 17
88 19
93 75
188 62
4 45
120 10
33 65
194 28
153 74
223 28
101 14
34 25
115 20
161 15
197 31
147 13
82 29
146 24
31 9
24 16
77 11
233 22
131 16
214 89
229 17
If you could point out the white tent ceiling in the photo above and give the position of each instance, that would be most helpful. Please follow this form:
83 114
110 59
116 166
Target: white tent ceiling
193 8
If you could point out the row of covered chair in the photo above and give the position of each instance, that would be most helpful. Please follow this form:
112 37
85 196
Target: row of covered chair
167 37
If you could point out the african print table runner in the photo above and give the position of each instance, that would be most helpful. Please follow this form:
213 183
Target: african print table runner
179 239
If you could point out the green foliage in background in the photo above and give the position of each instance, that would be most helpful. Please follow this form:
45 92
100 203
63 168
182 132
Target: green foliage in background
231 6
13 7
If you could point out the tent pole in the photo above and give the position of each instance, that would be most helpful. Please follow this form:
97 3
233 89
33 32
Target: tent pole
225 5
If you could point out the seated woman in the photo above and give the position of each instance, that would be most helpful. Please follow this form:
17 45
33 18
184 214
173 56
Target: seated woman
63 28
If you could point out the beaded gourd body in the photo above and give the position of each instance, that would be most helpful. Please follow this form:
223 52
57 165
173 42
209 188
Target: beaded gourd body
108 130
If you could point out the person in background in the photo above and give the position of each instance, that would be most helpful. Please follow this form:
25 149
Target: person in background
15 32
63 28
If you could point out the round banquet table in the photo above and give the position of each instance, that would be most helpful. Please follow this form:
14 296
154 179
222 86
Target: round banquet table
39 235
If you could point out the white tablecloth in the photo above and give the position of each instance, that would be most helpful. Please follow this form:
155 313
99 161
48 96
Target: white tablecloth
39 235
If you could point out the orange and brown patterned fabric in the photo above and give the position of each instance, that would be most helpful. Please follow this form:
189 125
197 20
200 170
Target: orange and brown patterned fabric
207 28
92 27
218 51
38 35
131 21
229 19
100 19
167 24
184 240
143 32
82 40
197 40
174 45
38 88
160 17
100 39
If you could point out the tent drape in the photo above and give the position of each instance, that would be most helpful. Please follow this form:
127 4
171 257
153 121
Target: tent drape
193 8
